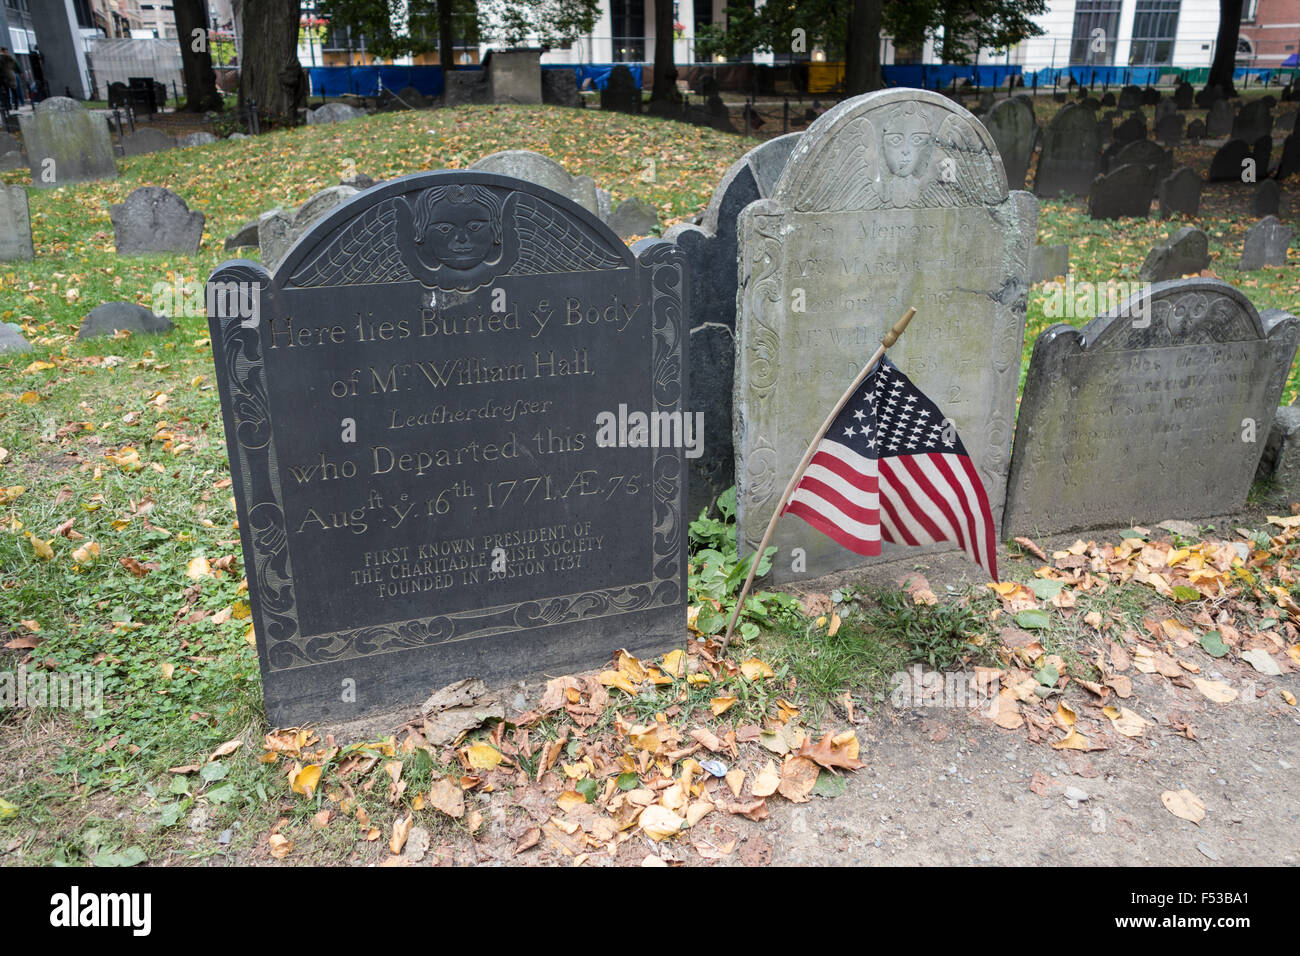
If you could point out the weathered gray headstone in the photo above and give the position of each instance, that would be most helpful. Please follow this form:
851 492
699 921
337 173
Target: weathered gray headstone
1143 413
1186 251
421 409
15 224
1281 458
279 229
1127 192
1218 123
711 249
246 236
153 219
1050 262
12 340
514 76
333 113
536 168
1267 198
1071 153
633 217
1266 244
114 317
146 139
1180 193
1285 123
65 144
201 138
1014 130
890 200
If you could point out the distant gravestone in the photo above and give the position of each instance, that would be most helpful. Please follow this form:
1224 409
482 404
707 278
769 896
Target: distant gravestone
633 217
11 339
1266 244
15 224
1207 96
890 200
113 317
244 237
1164 108
147 139
1262 152
1180 193
1141 413
279 229
711 249
1184 95
1126 192
514 76
1050 262
65 144
153 219
1150 96
536 168
1145 152
1130 97
1071 153
1267 198
437 413
1132 129
1281 458
1187 251
621 94
333 113
1107 100
1196 130
560 88
1229 162
201 138
1169 129
1289 164
1254 120
1014 130
1218 123
1285 123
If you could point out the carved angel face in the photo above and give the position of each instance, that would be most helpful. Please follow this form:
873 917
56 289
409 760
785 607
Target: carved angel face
454 233
459 235
907 142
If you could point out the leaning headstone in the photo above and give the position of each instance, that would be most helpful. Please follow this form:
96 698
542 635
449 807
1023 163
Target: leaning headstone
1218 123
711 250
892 199
333 113
621 94
1180 193
1185 252
1254 120
1071 153
1014 130
65 144
1140 415
15 224
1229 162
472 489
244 237
1266 244
536 168
153 219
1169 129
633 217
11 339
1267 198
113 317
147 139
1126 192
1050 262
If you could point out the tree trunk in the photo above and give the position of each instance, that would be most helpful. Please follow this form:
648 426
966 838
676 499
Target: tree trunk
862 47
665 76
446 41
201 92
269 71
1225 47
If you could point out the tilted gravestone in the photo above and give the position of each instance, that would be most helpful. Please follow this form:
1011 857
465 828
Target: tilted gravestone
1071 153
1219 120
1186 251
1158 409
890 200
1180 193
711 249
109 318
65 144
1014 130
438 412
1127 192
1266 244
153 219
15 224
536 168
1230 161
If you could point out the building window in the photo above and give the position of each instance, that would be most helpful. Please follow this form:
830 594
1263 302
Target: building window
1155 24
627 17
1096 29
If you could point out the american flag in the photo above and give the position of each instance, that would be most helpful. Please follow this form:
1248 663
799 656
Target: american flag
891 467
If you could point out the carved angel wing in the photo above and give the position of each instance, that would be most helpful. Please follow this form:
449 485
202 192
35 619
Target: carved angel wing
967 175
549 241
364 253
847 174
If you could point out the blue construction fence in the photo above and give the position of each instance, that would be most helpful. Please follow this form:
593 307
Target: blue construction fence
365 80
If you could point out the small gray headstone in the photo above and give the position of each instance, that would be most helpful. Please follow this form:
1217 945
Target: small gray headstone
1180 193
1012 125
1141 415
634 217
1127 192
1071 153
1266 244
11 339
279 229
1186 251
1285 122
246 236
147 139
153 219
65 144
333 113
1218 123
15 224
536 168
1267 198
196 139
1281 458
114 317
1050 262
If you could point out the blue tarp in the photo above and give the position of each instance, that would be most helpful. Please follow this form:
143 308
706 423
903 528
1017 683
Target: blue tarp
364 80
938 76
1098 76
598 73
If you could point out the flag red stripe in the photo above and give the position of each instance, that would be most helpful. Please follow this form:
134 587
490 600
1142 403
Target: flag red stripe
828 494
939 497
990 536
831 530
898 484
973 523
858 479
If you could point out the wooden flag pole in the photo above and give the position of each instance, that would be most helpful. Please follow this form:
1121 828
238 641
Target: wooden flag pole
890 338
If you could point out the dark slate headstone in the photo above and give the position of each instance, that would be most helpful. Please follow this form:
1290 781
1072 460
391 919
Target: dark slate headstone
1266 244
1186 251
1150 96
112 317
1132 129
1254 120
1130 97
1145 152
1071 153
1169 129
1184 95
1218 123
1180 193
1107 100
147 139
15 224
1013 127
711 249
423 408
1208 96
1285 123
1229 162
560 88
1126 192
1139 415
1049 262
621 94
1262 153
1267 198
1196 130
65 144
153 219
1289 164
